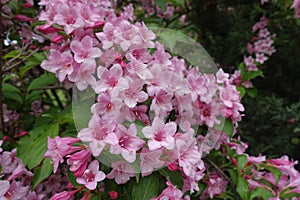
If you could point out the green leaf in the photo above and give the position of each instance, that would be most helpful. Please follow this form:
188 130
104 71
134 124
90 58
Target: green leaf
42 81
41 173
261 193
6 87
241 90
276 173
233 174
226 126
28 65
175 177
252 92
40 56
241 160
12 54
289 195
161 4
12 92
177 2
242 188
31 148
252 74
147 188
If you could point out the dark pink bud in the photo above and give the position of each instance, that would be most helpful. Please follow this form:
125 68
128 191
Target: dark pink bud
23 18
291 121
113 194
47 29
27 5
57 39
233 160
21 134
173 167
246 176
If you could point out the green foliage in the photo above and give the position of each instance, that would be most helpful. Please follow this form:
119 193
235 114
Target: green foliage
175 177
42 81
31 148
147 188
42 172
271 122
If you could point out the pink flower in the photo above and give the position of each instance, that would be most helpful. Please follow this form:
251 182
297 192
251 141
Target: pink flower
171 192
16 191
83 74
215 185
296 6
122 171
99 133
68 17
91 176
111 79
134 94
84 49
150 160
18 171
59 148
160 134
64 195
59 63
187 153
4 186
128 143
78 162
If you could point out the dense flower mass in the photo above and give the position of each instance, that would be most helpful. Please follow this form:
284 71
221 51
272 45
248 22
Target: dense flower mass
153 114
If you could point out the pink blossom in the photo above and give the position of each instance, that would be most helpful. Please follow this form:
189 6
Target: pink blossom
59 148
106 37
161 103
150 160
60 63
16 190
32 195
64 195
18 171
91 176
171 192
187 152
296 6
84 49
107 104
83 74
122 171
68 17
215 185
111 79
4 186
160 134
8 161
134 94
99 133
78 162
128 143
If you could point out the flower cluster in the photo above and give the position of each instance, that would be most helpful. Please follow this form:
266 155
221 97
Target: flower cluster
149 104
260 49
16 179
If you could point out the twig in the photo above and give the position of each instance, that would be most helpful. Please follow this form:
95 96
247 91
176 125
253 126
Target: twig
19 62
